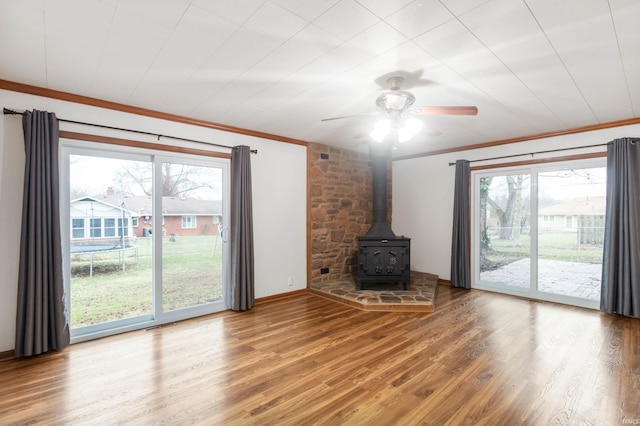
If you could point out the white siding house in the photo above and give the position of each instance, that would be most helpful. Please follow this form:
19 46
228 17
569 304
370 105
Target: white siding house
98 223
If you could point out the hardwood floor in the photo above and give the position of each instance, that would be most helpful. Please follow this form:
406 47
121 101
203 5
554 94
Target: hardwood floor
481 358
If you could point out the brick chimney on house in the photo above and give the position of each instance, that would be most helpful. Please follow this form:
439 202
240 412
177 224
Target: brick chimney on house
110 191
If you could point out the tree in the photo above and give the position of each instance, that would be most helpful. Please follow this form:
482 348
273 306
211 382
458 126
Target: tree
178 180
485 183
512 209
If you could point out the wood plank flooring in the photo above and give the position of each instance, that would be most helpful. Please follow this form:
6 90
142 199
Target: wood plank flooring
480 359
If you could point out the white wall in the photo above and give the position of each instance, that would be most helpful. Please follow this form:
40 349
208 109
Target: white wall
11 176
279 194
423 191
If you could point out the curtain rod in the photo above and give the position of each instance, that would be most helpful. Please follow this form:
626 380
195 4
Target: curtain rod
534 153
8 111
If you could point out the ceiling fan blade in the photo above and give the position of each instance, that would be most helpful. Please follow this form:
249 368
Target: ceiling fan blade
446 110
368 114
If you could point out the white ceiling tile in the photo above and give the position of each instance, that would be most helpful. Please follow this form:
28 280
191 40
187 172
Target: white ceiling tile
71 67
306 9
263 22
28 15
346 19
460 50
194 40
68 18
378 39
226 64
517 41
163 13
280 66
419 17
27 53
236 11
123 64
300 50
460 7
384 8
338 60
585 39
22 42
140 31
626 17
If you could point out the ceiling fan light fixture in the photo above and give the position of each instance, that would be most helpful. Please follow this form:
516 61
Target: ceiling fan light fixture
381 130
397 100
404 130
409 128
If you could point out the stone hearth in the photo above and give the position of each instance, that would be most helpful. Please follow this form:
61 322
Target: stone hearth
419 297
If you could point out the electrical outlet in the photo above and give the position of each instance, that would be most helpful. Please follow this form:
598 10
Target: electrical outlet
324 270
289 280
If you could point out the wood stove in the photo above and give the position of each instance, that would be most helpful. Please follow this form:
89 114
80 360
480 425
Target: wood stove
382 256
382 260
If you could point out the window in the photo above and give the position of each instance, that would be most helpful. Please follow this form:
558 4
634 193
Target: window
95 228
123 227
77 228
115 286
110 227
188 222
515 253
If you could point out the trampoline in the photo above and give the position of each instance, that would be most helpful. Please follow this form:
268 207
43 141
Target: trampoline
91 250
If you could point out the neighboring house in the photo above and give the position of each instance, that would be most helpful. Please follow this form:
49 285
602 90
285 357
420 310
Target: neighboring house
180 216
583 215
99 222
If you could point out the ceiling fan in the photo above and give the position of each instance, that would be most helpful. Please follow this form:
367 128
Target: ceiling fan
397 110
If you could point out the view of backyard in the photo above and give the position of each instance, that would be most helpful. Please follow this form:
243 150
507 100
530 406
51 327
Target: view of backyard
119 206
567 207
556 245
564 265
191 276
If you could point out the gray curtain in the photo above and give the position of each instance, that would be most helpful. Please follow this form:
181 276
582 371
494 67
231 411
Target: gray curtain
241 231
620 292
41 323
460 239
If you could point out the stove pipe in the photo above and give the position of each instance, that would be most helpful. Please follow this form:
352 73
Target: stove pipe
379 155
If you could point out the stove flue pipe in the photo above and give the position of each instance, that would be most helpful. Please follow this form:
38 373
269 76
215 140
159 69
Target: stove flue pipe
379 157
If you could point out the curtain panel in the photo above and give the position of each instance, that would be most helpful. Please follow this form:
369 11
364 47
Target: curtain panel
461 235
620 287
41 322
241 231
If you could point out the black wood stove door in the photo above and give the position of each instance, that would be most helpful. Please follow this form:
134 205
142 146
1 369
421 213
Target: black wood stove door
383 260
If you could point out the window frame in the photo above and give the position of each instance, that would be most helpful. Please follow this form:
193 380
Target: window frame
192 219
593 161
116 151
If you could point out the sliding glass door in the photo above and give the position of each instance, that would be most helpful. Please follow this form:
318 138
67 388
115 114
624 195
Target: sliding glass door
538 231
571 211
110 272
192 232
504 231
144 239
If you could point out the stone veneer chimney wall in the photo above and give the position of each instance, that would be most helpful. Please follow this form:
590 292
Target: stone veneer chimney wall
341 209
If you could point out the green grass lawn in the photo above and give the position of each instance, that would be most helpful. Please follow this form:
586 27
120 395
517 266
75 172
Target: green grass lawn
551 245
191 275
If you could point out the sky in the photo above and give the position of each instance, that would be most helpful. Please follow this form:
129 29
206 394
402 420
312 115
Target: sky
94 175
